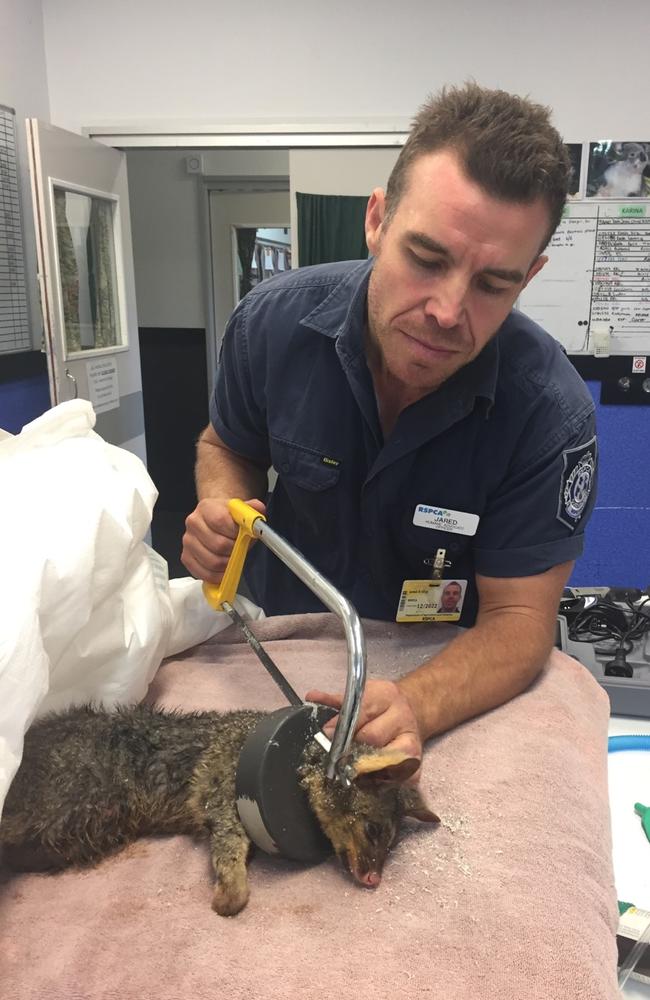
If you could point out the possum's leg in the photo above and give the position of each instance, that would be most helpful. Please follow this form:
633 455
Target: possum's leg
229 847
212 805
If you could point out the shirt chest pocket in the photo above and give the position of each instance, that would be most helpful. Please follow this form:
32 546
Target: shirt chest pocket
306 490
303 467
308 484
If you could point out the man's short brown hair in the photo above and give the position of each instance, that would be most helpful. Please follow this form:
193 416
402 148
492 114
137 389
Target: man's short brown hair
506 144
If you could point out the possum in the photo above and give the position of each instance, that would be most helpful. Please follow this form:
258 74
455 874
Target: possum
92 781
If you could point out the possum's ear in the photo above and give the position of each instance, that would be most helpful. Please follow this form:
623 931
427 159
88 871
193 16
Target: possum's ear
412 804
386 765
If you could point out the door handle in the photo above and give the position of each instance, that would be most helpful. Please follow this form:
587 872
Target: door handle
68 374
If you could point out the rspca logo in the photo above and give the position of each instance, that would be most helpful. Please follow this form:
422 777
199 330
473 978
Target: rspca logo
578 477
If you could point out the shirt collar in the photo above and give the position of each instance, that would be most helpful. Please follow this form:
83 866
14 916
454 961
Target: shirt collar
342 315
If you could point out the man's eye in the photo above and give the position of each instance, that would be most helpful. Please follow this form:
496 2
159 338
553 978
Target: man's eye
489 289
427 265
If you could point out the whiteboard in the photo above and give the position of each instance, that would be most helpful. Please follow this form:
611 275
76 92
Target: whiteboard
597 279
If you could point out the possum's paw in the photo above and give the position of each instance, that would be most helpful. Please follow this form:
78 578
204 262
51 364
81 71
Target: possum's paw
230 898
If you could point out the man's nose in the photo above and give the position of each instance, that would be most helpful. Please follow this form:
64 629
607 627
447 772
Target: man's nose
446 302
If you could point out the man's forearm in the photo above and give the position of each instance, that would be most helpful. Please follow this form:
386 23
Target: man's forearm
482 668
222 474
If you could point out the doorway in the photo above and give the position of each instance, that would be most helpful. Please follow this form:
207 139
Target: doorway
250 239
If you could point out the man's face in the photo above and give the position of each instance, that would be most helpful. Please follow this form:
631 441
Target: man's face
450 597
449 265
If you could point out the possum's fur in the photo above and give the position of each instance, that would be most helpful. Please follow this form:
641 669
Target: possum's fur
92 781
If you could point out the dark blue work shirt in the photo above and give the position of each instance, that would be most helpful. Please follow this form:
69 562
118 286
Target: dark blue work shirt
509 437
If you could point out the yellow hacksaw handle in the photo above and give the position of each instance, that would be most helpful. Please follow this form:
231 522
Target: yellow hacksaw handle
244 515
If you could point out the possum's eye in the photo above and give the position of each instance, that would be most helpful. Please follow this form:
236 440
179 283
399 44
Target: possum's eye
373 831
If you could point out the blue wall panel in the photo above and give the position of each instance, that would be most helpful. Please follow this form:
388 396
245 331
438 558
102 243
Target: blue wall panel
617 549
23 400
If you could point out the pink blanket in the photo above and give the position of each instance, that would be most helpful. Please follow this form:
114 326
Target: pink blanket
510 897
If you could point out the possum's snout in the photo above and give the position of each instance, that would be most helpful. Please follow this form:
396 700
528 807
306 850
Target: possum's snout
370 879
367 872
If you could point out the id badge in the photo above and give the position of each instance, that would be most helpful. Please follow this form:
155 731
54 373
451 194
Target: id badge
431 600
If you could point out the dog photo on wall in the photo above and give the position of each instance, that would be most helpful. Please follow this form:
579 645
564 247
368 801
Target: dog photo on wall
619 170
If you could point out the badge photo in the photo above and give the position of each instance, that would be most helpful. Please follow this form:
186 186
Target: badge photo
431 600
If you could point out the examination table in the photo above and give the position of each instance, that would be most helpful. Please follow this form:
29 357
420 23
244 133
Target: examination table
511 897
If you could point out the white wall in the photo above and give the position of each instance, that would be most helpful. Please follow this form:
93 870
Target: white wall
211 59
154 63
166 234
23 86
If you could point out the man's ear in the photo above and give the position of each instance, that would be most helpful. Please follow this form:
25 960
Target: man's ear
385 765
375 212
535 268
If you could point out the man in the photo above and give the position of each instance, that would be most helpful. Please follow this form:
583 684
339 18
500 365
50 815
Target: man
412 416
450 598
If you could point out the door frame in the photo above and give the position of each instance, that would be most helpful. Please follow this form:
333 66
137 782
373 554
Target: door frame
258 135
206 186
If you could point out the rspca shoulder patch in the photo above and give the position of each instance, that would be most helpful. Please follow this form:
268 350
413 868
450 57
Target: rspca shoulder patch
576 483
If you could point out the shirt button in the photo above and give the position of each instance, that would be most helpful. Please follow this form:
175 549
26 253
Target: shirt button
285 466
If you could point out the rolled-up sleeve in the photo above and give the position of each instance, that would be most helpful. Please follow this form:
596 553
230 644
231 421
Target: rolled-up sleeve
237 406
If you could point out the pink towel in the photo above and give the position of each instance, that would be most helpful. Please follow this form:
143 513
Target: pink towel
510 898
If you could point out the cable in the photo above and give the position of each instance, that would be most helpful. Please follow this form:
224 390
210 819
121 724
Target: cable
606 621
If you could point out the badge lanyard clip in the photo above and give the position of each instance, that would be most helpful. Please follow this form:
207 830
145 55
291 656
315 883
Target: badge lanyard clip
439 564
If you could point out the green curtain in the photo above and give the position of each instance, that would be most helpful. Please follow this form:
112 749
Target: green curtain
330 227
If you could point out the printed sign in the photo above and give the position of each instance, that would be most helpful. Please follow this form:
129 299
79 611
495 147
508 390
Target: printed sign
102 384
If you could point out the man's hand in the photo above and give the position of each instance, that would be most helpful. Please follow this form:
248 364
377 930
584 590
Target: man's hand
210 534
386 719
